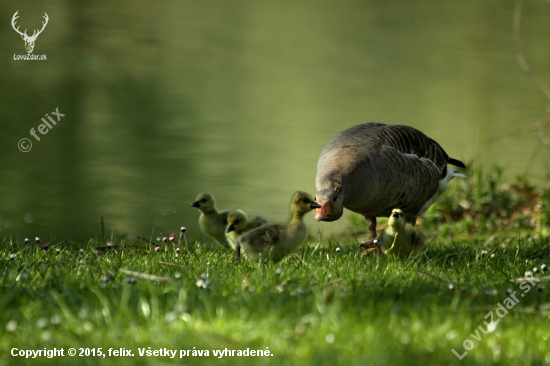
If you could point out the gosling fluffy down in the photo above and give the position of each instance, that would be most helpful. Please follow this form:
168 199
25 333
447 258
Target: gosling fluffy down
212 222
238 222
275 241
399 238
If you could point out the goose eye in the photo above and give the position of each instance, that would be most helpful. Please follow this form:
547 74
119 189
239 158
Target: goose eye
334 199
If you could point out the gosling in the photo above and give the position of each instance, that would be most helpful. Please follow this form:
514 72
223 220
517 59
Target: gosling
399 238
238 222
277 240
211 221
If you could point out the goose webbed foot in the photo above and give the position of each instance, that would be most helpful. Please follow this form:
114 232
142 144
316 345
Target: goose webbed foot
371 245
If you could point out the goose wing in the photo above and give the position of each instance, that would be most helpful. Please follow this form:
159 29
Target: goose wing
413 181
262 236
353 150
393 179
410 141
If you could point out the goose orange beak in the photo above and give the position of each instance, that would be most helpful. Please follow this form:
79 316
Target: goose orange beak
323 212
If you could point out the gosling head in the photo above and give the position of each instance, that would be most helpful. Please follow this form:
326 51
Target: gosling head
397 219
236 221
302 203
331 205
204 202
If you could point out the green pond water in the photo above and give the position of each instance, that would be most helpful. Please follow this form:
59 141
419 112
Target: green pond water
162 100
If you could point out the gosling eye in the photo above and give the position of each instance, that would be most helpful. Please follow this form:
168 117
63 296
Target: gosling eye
236 222
203 200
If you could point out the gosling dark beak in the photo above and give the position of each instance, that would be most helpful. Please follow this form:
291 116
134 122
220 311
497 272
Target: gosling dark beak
315 205
395 215
230 228
196 204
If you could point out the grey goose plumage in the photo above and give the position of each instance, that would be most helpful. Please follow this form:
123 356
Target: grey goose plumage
372 168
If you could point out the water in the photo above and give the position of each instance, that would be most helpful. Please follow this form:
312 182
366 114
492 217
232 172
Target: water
164 100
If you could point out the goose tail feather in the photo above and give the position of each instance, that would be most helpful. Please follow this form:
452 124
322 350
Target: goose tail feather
457 174
457 163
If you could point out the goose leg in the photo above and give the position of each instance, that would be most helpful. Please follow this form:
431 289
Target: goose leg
371 226
373 243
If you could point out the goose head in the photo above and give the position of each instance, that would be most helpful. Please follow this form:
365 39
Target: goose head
303 203
331 205
236 221
204 202
397 219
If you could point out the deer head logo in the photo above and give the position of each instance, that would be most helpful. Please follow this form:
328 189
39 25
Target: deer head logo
29 41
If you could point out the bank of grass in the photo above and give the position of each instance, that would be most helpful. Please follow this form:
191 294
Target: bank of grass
318 307
326 305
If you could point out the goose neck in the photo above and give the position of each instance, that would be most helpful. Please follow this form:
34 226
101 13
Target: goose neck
296 217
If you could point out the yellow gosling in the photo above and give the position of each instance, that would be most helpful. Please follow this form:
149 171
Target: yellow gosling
211 222
275 241
238 222
400 238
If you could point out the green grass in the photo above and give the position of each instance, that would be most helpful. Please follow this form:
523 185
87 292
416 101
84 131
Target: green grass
321 306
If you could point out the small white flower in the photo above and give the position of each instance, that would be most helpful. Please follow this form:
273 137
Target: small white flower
11 326
491 327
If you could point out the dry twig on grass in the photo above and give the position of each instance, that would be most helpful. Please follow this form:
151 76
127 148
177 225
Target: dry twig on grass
145 276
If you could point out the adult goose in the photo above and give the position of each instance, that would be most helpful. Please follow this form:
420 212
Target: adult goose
372 168
211 221
275 241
